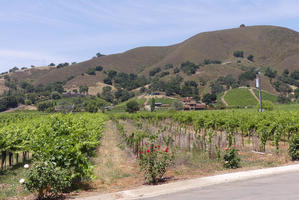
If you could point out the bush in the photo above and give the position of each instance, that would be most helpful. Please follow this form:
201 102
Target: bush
92 107
294 147
28 102
267 105
154 162
91 71
239 54
55 95
177 105
99 68
46 106
250 57
47 179
132 106
231 158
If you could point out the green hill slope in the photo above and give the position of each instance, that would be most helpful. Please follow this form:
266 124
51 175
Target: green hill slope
240 97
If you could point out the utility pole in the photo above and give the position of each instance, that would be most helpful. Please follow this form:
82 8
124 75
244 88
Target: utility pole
258 85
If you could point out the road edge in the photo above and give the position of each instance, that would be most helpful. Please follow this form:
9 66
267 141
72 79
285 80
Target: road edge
157 190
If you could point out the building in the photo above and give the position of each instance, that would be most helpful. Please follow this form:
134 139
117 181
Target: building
190 104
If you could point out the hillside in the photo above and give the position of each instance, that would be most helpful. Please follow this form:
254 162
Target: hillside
271 46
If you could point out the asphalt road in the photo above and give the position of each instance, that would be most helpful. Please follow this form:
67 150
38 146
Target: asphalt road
282 187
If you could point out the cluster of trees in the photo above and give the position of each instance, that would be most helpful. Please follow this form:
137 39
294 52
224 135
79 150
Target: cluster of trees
124 80
92 71
240 54
189 67
175 86
120 95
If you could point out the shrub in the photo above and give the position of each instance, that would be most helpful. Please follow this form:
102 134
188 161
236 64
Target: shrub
132 106
267 105
47 179
231 158
55 95
154 162
239 54
92 107
250 57
294 147
91 71
99 68
28 102
46 106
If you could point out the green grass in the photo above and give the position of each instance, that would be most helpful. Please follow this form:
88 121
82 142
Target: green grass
289 107
240 97
266 96
9 183
122 106
164 100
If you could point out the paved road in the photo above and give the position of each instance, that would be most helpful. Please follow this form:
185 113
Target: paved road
282 187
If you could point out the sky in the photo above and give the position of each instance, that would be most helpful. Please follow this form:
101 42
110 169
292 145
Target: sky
39 32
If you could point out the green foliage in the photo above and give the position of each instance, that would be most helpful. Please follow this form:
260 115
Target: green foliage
240 97
209 98
91 71
99 68
270 73
46 106
177 105
250 57
294 147
239 54
153 104
154 161
92 107
47 179
55 95
248 75
83 89
132 106
176 70
189 67
231 158
267 105
266 96
283 99
154 71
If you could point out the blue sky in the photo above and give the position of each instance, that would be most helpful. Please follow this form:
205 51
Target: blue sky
38 32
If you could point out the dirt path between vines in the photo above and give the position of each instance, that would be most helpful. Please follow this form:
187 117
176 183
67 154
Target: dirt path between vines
223 100
116 168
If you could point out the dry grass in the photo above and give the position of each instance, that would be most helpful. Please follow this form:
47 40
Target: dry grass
271 46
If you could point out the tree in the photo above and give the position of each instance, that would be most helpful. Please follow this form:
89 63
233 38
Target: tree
296 92
177 105
91 71
99 55
153 104
239 54
55 95
83 89
250 57
132 106
107 94
285 72
295 74
242 25
92 107
209 98
189 67
99 68
270 73
283 99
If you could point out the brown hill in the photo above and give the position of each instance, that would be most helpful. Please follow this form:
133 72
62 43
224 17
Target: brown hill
271 46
